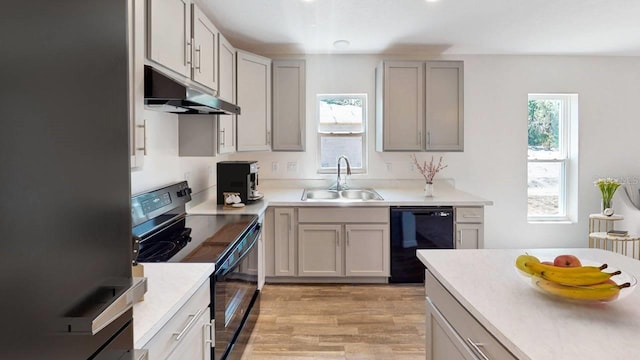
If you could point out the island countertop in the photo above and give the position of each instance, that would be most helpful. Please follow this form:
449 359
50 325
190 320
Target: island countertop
170 286
532 325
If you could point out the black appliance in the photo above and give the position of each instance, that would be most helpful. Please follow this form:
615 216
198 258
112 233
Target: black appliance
415 228
163 93
240 177
167 234
65 182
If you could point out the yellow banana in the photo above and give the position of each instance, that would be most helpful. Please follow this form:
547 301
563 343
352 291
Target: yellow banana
581 278
599 292
522 262
539 268
532 265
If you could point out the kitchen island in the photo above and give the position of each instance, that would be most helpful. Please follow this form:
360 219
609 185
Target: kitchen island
495 301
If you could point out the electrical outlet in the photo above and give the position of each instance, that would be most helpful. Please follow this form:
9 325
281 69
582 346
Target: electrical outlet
187 176
210 169
412 167
275 166
292 166
389 167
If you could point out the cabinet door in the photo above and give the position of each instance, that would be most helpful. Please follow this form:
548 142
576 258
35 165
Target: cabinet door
195 342
226 91
205 50
170 34
402 113
289 105
253 94
367 250
285 242
320 250
137 130
442 341
469 236
444 105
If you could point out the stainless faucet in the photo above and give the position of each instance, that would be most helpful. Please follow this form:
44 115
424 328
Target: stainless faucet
348 170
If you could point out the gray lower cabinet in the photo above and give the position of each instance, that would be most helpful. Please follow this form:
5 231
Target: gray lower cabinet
288 105
452 332
285 242
420 106
469 227
320 250
327 243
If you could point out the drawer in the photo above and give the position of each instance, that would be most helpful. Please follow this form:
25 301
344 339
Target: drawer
470 215
343 215
465 325
164 342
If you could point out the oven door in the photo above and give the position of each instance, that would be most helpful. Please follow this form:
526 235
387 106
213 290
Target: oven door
235 288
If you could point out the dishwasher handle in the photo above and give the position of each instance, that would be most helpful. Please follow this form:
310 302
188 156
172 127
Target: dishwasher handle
425 211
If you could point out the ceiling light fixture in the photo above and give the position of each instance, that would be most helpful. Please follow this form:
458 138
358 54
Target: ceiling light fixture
341 44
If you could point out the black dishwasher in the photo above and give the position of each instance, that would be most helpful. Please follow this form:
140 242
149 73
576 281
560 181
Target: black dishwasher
415 228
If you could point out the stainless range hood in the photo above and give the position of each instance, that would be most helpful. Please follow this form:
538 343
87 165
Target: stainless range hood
162 93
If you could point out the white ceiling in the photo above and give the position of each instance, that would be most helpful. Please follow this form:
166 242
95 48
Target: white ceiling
570 27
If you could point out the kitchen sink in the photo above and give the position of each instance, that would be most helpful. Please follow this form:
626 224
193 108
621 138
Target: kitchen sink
342 195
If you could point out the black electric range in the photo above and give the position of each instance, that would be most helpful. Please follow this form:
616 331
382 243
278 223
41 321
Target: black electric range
166 233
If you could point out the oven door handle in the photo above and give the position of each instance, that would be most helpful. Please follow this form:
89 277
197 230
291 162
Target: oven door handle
254 239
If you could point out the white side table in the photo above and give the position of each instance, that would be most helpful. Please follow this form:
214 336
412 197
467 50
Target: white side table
599 222
626 245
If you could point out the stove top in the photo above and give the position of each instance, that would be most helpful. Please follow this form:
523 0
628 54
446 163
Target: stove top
168 234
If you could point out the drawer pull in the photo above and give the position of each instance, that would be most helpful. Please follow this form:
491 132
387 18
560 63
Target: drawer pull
211 333
194 317
471 216
476 348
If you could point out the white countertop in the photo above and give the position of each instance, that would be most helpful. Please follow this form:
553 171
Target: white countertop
169 286
292 196
533 325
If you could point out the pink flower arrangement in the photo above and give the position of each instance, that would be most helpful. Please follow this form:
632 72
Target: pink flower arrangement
429 170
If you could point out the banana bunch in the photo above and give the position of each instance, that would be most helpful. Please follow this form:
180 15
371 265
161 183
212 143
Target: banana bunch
578 283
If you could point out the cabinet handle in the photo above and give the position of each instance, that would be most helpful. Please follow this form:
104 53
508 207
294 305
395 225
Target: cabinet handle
347 238
224 137
477 350
268 137
189 325
338 239
187 54
199 59
471 216
460 237
429 138
212 334
144 137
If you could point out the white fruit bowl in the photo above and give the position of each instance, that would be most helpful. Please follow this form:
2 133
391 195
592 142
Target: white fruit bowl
622 278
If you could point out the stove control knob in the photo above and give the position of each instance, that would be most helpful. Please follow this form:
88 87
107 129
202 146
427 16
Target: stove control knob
184 192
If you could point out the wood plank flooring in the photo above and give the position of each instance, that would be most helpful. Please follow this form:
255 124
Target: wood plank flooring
339 322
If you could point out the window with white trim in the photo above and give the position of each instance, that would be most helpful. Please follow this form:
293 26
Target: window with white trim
342 120
552 157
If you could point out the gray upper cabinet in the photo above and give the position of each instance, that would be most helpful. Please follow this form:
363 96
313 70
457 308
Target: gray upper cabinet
288 105
400 105
226 91
253 94
182 39
444 105
419 106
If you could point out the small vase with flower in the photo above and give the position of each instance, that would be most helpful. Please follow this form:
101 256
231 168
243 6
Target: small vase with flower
428 171
608 187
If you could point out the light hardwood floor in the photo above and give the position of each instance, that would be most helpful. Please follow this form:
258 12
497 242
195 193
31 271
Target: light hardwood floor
339 322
